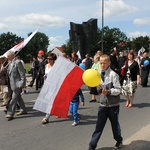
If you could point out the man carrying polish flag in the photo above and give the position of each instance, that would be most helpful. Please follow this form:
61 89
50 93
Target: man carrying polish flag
61 84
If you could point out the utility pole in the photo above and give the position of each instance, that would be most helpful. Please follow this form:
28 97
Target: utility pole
102 47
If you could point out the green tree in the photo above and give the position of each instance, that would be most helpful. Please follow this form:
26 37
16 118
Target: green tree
139 42
67 47
112 38
7 41
39 42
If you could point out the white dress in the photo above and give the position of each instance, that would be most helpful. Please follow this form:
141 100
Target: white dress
47 70
128 87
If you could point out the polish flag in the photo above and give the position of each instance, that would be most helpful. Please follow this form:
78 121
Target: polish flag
21 45
61 84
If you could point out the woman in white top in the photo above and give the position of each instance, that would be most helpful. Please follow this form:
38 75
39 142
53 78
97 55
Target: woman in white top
51 60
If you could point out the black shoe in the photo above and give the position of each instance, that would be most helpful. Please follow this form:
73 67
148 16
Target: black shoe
144 85
91 149
118 145
11 118
30 85
5 111
93 100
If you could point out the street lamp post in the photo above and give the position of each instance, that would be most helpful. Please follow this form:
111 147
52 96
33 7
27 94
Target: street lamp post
102 47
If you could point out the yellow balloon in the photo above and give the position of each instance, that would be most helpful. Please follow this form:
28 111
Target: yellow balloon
91 77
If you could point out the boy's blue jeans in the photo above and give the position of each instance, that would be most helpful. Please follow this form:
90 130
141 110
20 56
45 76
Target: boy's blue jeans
74 110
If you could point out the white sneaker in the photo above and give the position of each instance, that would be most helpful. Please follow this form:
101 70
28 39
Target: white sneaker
22 92
74 124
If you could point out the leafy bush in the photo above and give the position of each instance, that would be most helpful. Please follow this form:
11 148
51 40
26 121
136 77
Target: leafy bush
27 67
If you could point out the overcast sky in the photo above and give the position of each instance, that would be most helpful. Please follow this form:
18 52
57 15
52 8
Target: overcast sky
53 17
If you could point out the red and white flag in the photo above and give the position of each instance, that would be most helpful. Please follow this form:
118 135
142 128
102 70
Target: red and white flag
61 84
21 45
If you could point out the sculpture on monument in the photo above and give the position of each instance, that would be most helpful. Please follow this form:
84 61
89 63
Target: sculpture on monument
82 36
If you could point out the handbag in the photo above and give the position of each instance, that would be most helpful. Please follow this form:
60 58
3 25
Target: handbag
122 73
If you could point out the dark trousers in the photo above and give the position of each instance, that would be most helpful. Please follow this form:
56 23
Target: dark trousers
34 74
106 112
39 80
144 77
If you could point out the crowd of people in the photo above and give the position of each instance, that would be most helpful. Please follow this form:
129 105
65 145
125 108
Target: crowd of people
113 84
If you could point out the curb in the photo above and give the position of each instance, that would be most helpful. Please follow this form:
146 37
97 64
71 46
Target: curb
139 141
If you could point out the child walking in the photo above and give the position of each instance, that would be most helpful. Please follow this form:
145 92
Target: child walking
74 105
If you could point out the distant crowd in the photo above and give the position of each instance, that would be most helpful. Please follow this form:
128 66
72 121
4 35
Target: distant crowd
38 67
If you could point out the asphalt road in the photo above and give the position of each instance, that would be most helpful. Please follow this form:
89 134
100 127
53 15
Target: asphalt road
27 133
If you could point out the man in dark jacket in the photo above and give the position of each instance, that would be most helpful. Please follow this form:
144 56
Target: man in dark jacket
145 69
88 62
41 69
121 62
114 61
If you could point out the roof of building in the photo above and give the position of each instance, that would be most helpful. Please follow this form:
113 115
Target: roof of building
60 49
